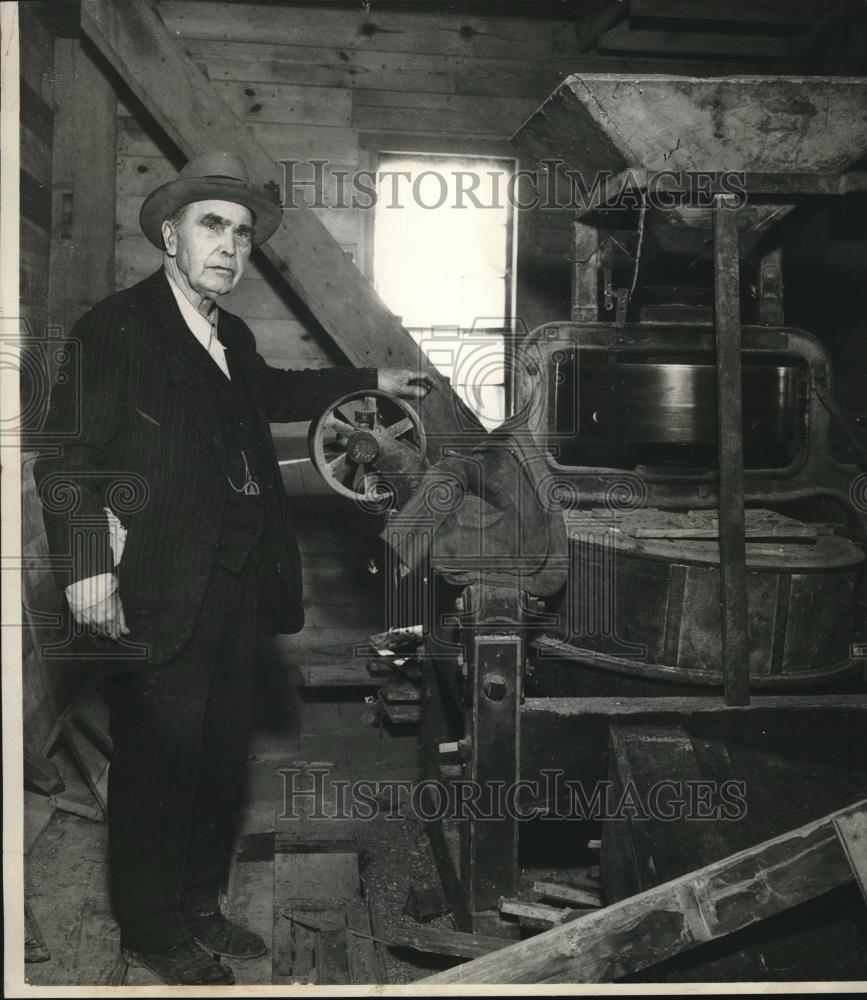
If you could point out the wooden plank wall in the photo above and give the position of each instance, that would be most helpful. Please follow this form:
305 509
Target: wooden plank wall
83 183
47 688
340 85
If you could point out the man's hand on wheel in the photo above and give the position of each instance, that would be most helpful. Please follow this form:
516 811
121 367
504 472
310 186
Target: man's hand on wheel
105 618
407 383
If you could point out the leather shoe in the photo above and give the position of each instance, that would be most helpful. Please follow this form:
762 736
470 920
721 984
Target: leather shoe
219 935
184 964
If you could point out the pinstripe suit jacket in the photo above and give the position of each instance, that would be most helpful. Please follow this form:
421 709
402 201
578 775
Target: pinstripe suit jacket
138 434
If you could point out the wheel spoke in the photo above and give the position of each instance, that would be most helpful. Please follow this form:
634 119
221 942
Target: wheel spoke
369 484
341 426
337 465
340 413
400 427
358 477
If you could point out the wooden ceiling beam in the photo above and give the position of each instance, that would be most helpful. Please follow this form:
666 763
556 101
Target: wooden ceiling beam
786 13
195 118
595 19
624 38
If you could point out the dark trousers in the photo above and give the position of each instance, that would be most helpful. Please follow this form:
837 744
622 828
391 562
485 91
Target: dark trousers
180 732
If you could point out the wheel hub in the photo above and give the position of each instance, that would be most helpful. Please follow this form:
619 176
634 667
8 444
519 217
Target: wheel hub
362 448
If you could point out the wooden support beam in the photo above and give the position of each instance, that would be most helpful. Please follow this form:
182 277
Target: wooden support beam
595 19
623 38
732 539
783 12
586 260
672 918
195 118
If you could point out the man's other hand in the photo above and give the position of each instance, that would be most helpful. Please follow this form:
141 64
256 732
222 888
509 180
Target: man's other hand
407 383
106 617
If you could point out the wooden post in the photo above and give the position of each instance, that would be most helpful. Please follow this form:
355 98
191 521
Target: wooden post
732 545
670 919
489 847
585 273
304 254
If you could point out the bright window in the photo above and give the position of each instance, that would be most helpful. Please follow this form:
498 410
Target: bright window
443 251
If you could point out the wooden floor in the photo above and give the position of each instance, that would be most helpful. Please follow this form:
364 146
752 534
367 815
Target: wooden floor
293 872
297 878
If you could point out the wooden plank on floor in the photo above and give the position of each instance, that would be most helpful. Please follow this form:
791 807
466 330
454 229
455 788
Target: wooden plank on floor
338 844
401 714
321 878
294 954
568 895
253 848
330 675
365 966
313 880
332 953
251 904
703 905
538 914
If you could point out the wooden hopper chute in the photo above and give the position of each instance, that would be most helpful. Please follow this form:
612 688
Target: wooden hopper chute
608 124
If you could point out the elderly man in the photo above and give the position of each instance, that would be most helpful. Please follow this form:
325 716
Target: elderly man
169 411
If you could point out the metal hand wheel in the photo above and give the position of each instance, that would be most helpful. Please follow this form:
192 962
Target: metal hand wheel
361 436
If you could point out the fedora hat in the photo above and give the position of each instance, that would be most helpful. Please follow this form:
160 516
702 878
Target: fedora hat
215 175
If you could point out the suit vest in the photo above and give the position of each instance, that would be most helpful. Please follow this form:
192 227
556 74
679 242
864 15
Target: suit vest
243 511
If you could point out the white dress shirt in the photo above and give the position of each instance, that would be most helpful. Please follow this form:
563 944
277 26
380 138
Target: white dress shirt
96 589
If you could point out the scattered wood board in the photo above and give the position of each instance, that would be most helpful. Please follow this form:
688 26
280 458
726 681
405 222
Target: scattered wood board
364 961
569 895
401 692
400 713
436 941
669 919
41 773
538 914
329 675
